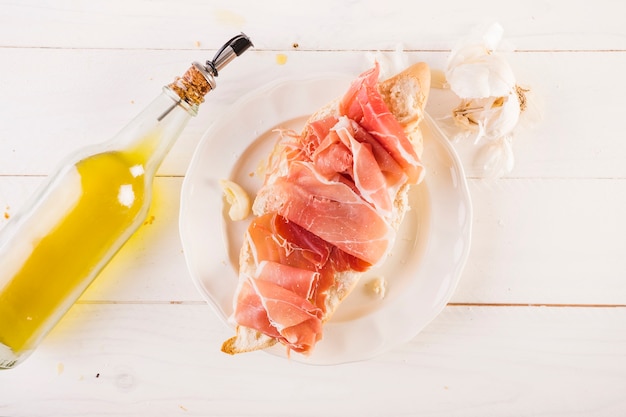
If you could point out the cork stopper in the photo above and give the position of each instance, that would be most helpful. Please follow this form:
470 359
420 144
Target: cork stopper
195 83
200 79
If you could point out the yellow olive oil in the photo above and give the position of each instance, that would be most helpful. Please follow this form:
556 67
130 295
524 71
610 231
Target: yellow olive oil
105 194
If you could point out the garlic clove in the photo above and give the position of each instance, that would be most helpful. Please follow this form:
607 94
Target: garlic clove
481 77
491 118
238 199
495 159
474 68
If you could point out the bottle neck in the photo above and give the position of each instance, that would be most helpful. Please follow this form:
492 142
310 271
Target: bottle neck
149 137
195 83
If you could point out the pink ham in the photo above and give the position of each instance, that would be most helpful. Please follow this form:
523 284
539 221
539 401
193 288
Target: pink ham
330 210
275 300
364 104
368 178
279 313
392 171
249 311
314 133
301 282
324 209
286 310
273 238
332 156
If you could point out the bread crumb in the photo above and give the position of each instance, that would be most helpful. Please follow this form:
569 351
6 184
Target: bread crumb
295 45
197 44
182 407
377 287
149 220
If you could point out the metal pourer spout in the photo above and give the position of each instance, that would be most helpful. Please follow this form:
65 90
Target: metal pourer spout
231 49
199 79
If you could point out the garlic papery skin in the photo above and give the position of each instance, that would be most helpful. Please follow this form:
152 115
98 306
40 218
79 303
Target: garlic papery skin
476 70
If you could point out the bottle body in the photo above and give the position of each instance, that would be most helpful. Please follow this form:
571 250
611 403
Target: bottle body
51 251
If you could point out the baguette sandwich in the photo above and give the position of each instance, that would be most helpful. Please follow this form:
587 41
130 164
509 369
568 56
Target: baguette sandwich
333 197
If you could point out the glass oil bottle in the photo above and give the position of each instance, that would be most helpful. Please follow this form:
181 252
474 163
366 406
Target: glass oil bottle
56 246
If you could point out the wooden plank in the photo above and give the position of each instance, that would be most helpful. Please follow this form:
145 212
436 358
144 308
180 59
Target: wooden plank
322 25
574 138
551 241
142 359
546 241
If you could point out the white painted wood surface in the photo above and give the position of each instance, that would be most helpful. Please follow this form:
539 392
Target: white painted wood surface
536 325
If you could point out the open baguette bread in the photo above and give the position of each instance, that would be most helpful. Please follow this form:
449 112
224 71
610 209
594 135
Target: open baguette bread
405 95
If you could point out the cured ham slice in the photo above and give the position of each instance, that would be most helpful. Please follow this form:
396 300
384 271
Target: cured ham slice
367 175
327 211
283 295
300 281
330 210
314 133
364 104
273 238
286 311
250 311
391 170
279 312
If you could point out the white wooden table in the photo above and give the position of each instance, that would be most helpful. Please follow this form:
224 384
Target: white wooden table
536 325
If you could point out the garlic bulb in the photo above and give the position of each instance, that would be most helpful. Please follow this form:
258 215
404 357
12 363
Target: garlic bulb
491 100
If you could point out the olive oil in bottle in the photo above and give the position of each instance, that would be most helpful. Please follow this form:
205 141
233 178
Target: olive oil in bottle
54 248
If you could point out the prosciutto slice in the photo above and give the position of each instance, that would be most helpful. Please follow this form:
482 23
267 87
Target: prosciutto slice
283 295
279 313
367 175
300 281
330 210
325 208
364 104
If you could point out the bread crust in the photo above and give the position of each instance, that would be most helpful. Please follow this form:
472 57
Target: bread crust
406 95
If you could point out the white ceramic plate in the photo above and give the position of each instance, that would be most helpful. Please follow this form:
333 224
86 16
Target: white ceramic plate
426 262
